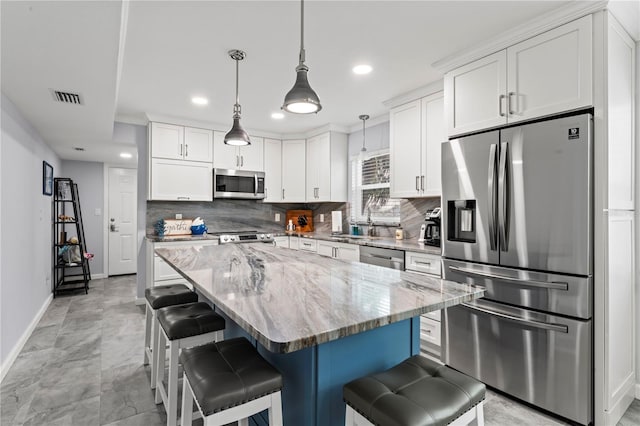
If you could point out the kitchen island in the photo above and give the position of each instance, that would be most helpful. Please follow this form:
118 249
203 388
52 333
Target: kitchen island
322 322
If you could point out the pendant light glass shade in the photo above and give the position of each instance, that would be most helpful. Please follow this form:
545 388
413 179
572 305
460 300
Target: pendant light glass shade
302 99
237 135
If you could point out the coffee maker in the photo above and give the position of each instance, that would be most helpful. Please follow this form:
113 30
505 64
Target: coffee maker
430 232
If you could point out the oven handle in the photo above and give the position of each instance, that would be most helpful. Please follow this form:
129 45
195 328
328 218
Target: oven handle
552 285
536 324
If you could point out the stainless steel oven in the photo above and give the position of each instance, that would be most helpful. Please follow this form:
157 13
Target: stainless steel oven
243 184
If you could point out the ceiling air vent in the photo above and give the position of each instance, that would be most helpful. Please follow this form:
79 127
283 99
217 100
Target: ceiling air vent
66 97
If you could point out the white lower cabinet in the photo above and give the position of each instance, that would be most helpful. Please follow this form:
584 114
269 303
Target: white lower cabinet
159 272
430 325
281 241
342 251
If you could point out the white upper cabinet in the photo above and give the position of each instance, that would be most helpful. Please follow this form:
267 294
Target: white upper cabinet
180 163
198 144
417 132
178 180
550 73
181 143
293 171
249 157
475 94
544 75
272 170
327 167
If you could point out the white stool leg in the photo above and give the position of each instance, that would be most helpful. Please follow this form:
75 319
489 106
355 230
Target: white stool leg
159 358
155 329
187 403
275 411
147 334
172 383
479 419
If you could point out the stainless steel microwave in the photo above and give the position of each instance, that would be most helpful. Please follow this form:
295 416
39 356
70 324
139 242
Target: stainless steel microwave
238 184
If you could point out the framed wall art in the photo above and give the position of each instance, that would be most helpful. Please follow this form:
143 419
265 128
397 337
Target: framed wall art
47 178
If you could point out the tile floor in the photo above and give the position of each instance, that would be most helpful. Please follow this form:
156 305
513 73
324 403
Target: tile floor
83 366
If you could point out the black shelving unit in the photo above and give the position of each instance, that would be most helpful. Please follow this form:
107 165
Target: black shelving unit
70 266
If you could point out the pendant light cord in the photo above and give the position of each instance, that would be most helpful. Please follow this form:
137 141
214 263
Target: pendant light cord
302 54
363 136
236 107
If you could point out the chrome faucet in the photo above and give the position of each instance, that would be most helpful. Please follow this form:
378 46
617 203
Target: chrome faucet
371 228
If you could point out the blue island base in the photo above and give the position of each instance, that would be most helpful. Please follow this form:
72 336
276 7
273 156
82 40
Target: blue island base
313 377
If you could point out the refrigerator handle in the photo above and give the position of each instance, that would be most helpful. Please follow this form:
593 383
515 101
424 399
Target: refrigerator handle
491 182
531 323
503 197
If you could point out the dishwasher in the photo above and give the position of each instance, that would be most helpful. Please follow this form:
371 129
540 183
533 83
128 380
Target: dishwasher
389 258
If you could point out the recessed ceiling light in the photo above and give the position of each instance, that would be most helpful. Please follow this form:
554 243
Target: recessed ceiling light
125 155
199 100
362 69
277 116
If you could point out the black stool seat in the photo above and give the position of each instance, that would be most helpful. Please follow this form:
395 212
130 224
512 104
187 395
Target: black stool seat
415 392
228 373
191 319
167 295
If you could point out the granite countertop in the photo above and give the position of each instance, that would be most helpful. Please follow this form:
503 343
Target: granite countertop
384 242
292 300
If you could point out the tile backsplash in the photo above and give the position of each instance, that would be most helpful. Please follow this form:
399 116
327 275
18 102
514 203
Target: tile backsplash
245 215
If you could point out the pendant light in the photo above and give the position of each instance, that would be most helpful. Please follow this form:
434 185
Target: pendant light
301 99
363 117
237 136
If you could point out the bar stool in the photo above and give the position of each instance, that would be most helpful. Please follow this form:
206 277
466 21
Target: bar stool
230 382
183 326
156 298
415 392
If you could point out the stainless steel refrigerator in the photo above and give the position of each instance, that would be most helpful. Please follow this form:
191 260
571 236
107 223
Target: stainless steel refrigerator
517 207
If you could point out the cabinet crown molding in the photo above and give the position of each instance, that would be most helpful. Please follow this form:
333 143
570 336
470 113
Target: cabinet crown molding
418 93
546 22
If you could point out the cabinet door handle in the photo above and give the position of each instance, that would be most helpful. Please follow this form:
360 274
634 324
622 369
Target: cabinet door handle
422 182
180 150
183 198
283 193
237 160
511 111
186 150
241 160
500 98
418 183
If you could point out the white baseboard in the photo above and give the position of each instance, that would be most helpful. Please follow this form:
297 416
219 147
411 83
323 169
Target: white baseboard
6 365
140 301
637 390
98 276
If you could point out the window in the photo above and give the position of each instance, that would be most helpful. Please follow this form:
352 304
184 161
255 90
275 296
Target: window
370 189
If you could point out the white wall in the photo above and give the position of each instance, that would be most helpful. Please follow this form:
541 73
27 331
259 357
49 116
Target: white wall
25 229
637 322
89 176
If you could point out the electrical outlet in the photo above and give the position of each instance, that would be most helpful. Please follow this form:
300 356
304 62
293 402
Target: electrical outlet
178 216
321 217
277 218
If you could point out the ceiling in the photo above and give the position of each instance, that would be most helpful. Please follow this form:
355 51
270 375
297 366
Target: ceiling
129 60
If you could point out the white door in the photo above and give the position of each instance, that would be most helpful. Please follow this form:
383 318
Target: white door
224 156
167 141
475 94
122 221
433 130
550 73
272 170
293 171
251 156
404 149
198 144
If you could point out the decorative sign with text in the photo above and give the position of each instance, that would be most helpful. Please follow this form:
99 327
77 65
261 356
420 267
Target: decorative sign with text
177 226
